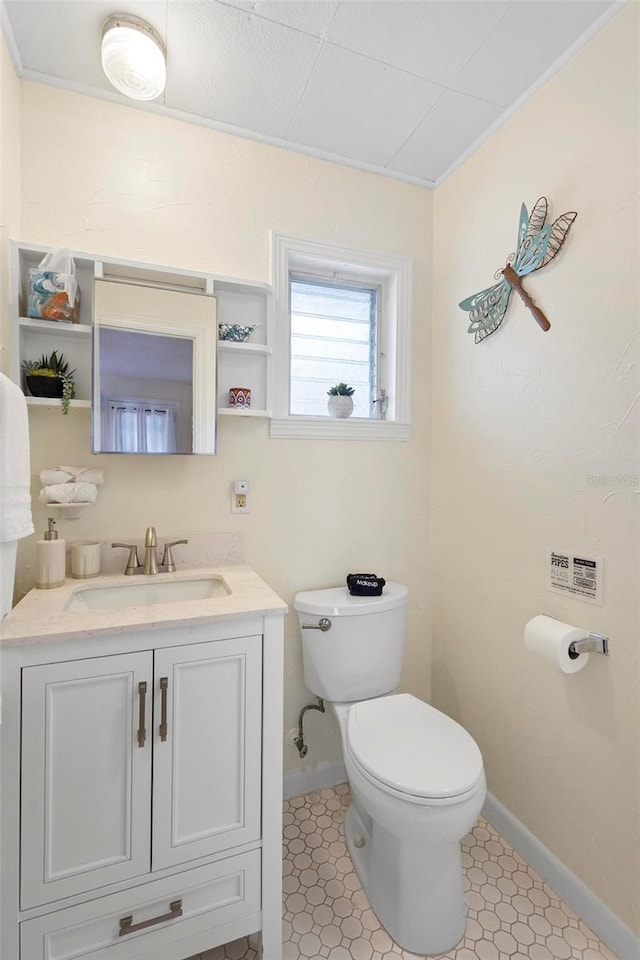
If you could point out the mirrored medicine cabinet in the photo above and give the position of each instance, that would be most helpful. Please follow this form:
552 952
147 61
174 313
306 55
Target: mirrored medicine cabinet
154 370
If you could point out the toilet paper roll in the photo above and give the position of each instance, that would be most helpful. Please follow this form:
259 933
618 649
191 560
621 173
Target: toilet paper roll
551 638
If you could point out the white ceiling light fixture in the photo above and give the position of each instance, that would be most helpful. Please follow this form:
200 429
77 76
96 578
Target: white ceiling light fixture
133 57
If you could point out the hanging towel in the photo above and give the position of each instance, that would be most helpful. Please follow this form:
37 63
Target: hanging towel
71 475
15 472
69 493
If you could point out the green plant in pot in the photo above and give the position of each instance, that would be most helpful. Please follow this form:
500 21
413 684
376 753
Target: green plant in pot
341 400
50 376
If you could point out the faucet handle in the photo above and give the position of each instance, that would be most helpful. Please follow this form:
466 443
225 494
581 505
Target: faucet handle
167 558
132 562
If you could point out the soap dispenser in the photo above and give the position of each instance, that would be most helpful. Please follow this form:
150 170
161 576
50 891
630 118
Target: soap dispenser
50 559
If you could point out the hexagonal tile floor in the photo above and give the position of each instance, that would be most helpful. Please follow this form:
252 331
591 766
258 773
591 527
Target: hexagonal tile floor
512 913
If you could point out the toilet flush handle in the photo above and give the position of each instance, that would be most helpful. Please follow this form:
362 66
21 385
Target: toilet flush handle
323 624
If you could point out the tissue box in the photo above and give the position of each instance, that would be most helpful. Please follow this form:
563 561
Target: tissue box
49 296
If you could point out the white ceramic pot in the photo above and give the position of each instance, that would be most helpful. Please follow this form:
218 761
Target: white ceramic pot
340 406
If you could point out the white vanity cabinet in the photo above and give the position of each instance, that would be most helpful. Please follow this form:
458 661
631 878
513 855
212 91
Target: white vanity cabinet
142 792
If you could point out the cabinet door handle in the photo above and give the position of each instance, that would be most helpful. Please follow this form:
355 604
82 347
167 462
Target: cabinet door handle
128 926
142 696
164 685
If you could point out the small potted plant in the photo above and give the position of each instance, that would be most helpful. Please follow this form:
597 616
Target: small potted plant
341 400
50 376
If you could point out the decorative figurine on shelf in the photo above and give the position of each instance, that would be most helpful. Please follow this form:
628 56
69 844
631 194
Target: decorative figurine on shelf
537 246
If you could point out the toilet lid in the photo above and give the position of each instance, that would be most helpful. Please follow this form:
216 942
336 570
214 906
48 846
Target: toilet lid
412 747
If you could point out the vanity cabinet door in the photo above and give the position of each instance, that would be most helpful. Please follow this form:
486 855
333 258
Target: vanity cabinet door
86 775
206 749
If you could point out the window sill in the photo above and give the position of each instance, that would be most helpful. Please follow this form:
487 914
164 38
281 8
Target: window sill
328 428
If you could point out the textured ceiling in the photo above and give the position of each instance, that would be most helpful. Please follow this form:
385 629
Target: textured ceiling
403 87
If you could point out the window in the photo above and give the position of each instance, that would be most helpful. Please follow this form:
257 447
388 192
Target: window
333 340
341 316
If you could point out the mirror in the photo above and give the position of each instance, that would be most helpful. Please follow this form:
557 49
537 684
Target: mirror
154 370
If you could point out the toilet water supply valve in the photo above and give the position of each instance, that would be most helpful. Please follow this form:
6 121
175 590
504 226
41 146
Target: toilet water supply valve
323 624
299 740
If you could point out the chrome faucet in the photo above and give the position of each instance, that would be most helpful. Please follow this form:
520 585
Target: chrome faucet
150 566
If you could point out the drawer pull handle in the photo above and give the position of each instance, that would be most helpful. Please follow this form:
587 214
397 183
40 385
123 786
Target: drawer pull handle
128 926
142 733
164 684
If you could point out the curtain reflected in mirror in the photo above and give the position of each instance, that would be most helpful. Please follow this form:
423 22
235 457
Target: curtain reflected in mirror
134 426
146 392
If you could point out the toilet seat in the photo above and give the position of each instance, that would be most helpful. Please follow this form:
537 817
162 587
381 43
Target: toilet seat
409 749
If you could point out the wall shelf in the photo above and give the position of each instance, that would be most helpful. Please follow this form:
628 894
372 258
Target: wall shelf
228 346
68 511
243 412
52 402
54 328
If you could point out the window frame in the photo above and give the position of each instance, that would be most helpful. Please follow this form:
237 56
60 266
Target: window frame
393 276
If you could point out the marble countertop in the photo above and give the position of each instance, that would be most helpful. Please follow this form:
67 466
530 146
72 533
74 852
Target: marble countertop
41 617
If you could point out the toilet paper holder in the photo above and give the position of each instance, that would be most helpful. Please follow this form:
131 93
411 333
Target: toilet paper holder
594 643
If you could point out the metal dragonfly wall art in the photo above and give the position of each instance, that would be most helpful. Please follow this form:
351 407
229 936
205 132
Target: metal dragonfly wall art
538 243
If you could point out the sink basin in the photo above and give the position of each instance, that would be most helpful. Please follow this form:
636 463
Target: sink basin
122 595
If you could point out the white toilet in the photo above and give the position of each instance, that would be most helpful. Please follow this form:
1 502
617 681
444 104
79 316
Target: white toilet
416 776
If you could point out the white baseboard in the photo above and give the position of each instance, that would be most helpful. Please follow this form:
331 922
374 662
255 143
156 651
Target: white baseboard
603 921
322 775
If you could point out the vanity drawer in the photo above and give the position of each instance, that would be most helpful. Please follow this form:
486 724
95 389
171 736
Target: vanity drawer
207 897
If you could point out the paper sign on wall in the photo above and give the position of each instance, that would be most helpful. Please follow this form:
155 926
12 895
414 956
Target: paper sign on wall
576 576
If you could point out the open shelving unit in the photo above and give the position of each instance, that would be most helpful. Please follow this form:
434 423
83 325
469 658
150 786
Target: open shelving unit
238 301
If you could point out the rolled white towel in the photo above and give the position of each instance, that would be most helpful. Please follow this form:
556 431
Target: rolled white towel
71 475
85 474
49 477
69 493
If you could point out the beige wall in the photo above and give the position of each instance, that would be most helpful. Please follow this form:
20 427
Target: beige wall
9 187
118 181
520 424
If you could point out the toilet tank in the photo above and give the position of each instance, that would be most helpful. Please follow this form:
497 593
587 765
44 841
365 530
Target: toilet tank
360 655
